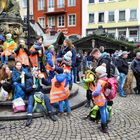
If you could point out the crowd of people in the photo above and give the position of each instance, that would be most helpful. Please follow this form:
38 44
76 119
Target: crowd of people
38 67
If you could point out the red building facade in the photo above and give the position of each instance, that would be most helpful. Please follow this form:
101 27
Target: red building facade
59 15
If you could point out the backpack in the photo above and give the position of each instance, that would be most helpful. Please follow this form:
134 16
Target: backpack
95 115
39 105
110 89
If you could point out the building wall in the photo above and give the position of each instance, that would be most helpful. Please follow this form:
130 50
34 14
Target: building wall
116 25
68 30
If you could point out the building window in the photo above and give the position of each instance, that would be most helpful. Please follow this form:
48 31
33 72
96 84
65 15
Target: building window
101 0
72 2
122 33
121 15
24 3
51 21
91 1
41 21
60 3
111 16
41 4
133 33
72 20
101 17
50 3
133 14
91 18
61 21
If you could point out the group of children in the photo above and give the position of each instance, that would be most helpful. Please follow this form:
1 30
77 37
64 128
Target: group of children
32 73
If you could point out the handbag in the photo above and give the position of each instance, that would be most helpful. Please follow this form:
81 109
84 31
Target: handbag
18 105
3 94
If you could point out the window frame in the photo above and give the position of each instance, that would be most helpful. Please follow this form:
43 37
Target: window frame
51 21
91 2
98 17
69 18
108 16
71 5
41 6
136 15
58 21
23 6
124 14
44 22
60 6
89 18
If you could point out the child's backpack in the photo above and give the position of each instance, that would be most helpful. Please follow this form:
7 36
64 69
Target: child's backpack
39 105
110 89
95 115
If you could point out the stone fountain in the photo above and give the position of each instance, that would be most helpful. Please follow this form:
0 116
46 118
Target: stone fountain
10 19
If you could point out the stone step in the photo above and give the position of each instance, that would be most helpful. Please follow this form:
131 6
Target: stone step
76 101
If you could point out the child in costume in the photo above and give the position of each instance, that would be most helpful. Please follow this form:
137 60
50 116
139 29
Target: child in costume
59 91
8 49
98 96
50 58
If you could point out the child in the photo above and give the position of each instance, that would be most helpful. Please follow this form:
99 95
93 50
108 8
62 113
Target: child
98 96
8 49
22 54
59 91
50 57
89 85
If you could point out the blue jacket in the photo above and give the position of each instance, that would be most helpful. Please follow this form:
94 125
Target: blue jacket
16 75
49 58
135 66
73 57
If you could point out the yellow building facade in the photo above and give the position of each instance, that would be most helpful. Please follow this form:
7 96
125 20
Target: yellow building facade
117 17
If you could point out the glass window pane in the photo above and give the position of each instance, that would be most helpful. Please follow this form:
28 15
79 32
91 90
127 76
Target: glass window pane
133 14
121 15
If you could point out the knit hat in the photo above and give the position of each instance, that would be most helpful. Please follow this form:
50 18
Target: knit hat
50 47
9 35
68 56
101 69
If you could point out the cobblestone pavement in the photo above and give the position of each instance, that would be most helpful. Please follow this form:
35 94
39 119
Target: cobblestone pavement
125 125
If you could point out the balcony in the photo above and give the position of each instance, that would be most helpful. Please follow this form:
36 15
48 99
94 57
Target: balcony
56 10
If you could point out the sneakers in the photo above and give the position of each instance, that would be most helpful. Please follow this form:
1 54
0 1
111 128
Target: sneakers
29 121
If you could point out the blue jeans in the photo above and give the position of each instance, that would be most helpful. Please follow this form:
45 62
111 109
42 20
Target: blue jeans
67 104
104 114
4 59
121 84
74 73
31 104
18 90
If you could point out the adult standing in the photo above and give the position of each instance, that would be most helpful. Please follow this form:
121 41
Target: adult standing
123 67
135 66
84 62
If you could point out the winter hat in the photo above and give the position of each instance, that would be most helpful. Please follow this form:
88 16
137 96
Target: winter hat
9 35
101 69
50 47
68 56
124 52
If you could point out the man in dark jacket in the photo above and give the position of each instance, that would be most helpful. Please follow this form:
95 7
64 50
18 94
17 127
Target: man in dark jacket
135 66
123 67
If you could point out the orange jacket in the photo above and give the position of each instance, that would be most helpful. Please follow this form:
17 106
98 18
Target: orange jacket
22 57
33 58
8 48
100 100
58 93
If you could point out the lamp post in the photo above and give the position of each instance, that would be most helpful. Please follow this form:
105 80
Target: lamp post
28 22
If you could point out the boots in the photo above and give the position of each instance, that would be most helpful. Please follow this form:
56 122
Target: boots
104 128
29 120
52 117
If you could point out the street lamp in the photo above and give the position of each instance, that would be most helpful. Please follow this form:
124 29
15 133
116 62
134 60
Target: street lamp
28 22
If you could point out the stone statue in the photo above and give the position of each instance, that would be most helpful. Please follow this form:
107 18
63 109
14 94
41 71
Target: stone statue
10 19
9 8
